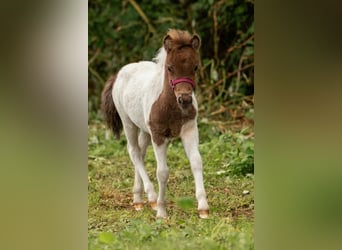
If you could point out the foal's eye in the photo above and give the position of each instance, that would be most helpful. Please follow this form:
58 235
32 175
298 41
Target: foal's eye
170 68
196 68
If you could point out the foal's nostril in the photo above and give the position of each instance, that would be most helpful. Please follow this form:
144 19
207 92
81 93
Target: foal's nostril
184 99
187 99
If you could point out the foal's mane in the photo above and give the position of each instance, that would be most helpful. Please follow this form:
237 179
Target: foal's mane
160 57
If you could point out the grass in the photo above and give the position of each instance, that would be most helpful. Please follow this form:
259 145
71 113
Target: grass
228 167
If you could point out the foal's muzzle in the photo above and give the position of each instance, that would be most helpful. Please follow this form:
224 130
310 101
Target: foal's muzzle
184 100
183 88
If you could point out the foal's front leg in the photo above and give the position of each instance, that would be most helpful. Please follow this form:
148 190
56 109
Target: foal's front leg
162 176
189 137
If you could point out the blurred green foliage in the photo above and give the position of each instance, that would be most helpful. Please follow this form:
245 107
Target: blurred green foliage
121 32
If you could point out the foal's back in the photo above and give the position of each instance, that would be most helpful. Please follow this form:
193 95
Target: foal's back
136 88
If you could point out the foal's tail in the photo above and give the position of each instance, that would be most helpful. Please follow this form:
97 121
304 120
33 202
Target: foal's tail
111 115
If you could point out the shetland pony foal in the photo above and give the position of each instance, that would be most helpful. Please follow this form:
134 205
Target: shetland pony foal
156 100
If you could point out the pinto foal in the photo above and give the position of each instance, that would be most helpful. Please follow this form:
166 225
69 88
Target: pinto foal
155 100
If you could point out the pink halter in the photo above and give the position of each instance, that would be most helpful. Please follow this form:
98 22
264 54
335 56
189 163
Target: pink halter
174 82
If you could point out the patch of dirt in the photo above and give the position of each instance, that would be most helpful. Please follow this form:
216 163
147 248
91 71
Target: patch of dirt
245 210
114 199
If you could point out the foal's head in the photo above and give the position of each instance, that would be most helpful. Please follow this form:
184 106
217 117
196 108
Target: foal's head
181 64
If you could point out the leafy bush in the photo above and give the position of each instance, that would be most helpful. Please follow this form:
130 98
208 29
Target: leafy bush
121 32
230 153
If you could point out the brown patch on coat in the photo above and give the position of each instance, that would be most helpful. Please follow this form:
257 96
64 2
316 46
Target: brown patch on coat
174 108
167 118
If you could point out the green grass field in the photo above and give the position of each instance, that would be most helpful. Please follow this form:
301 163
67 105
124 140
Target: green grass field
228 174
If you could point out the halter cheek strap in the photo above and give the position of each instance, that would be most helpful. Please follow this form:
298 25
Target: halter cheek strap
174 82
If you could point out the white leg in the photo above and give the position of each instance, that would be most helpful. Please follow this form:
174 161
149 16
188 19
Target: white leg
162 175
189 135
141 176
138 191
138 188
144 141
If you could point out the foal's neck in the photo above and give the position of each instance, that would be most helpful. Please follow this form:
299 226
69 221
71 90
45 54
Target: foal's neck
167 93
166 117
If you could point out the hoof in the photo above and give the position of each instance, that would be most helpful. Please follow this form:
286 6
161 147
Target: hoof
153 205
162 215
203 214
138 206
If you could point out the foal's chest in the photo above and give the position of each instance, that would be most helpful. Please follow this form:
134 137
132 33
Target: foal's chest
166 121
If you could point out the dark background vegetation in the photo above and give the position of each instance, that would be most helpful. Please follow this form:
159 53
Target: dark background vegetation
126 31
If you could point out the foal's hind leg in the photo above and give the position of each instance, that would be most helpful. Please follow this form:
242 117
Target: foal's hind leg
138 191
138 188
137 157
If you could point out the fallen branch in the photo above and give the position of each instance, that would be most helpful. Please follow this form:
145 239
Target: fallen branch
94 57
230 74
97 75
143 16
240 45
237 86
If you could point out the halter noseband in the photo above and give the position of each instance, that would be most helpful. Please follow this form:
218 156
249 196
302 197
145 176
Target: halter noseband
174 82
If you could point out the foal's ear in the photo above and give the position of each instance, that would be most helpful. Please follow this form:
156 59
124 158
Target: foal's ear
196 42
167 43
